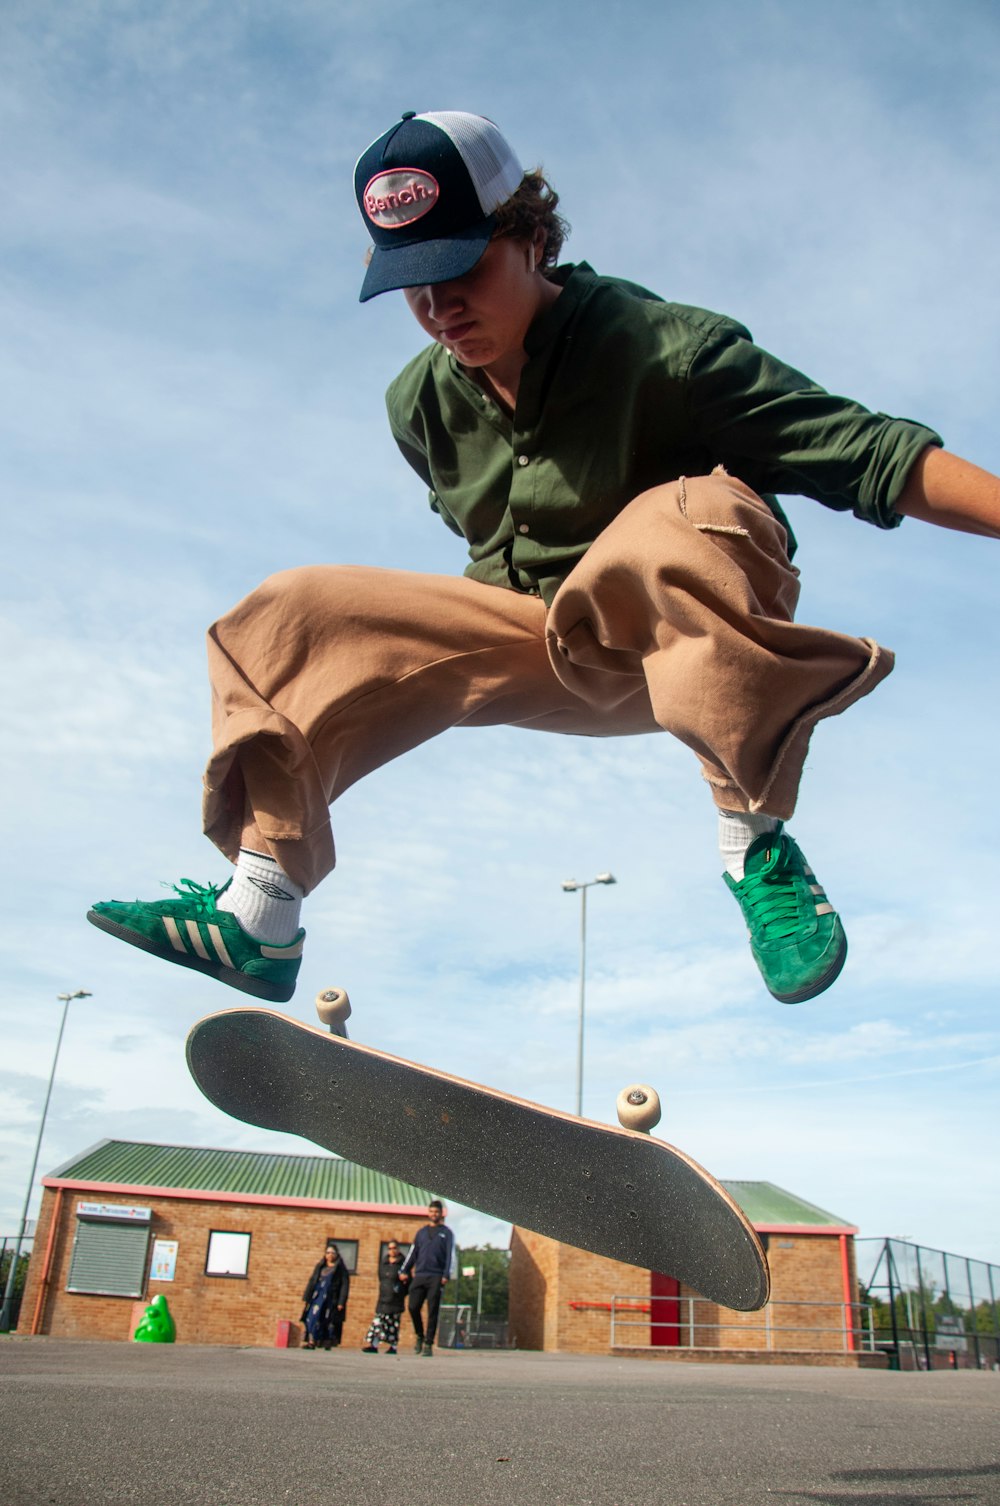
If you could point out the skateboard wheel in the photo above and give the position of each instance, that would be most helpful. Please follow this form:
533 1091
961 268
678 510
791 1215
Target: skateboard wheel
638 1107
333 1007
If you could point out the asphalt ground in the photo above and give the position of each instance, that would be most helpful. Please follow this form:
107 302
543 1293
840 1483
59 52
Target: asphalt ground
87 1423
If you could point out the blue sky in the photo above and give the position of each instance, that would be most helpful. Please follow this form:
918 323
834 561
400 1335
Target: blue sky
193 398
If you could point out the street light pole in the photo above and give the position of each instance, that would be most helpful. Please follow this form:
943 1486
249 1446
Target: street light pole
571 887
8 1296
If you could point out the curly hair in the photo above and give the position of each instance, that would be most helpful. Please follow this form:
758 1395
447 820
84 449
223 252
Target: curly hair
534 205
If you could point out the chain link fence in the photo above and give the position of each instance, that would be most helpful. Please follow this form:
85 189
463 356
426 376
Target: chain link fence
931 1310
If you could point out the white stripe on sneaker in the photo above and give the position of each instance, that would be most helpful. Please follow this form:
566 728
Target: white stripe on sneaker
194 935
170 926
215 936
196 942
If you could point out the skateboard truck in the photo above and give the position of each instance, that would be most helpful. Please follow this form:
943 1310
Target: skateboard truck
334 1007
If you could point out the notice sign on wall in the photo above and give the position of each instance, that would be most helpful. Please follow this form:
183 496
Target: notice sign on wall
164 1261
120 1212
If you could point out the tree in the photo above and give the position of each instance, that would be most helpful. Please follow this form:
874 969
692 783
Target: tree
495 1266
19 1279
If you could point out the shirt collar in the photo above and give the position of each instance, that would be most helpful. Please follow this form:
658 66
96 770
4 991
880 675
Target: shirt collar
577 281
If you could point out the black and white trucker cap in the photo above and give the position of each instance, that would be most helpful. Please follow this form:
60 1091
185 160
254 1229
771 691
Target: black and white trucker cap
428 191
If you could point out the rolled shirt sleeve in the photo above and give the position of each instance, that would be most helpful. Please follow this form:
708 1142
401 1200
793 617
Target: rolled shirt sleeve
780 432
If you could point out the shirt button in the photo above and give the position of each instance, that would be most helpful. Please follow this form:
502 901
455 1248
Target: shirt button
523 528
522 460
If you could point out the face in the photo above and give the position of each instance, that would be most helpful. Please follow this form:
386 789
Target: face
331 1255
393 1250
484 316
435 1215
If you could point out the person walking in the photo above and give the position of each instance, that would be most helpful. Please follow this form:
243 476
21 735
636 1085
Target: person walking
384 1328
427 1267
325 1299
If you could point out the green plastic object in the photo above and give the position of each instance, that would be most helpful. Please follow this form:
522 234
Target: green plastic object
156 1326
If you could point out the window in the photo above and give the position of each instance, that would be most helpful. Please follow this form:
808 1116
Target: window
109 1258
228 1253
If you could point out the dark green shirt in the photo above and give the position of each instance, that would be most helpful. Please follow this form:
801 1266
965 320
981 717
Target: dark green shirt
621 392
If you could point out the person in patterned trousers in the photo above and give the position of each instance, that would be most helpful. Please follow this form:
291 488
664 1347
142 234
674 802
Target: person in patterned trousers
384 1327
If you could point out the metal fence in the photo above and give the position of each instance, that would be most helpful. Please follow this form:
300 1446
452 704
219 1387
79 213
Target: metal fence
931 1310
693 1323
461 1328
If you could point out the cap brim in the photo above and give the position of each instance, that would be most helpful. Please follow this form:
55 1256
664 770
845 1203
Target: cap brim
411 266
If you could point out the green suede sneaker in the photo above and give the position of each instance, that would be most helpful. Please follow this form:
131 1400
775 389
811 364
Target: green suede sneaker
192 931
796 936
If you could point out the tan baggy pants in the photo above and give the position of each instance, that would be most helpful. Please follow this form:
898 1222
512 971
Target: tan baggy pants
678 618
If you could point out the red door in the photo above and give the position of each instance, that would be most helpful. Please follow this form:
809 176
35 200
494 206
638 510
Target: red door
664 1309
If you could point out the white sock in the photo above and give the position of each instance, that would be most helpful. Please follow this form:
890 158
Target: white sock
264 900
737 829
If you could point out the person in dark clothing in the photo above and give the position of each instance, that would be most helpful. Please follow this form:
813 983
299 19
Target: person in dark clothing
384 1328
325 1299
427 1267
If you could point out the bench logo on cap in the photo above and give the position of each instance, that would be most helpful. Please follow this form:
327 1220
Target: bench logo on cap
394 199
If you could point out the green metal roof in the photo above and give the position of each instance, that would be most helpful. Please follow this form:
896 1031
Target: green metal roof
187 1168
763 1203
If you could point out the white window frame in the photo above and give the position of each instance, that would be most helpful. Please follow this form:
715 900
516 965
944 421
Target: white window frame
227 1255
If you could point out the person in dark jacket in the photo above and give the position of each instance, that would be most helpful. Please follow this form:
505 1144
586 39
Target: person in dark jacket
325 1299
384 1327
427 1267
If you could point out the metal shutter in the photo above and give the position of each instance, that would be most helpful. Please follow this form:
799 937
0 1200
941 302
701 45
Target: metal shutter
109 1259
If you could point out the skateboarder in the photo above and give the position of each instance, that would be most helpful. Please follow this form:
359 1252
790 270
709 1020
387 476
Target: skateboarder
612 461
429 1263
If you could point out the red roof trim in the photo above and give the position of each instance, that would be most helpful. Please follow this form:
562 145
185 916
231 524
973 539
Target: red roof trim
262 1200
805 1228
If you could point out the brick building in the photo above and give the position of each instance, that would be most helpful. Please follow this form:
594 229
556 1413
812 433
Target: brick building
228 1236
565 1299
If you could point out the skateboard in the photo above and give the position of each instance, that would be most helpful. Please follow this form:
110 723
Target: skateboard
611 1189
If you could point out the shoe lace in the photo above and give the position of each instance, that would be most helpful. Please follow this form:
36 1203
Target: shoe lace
774 892
202 896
